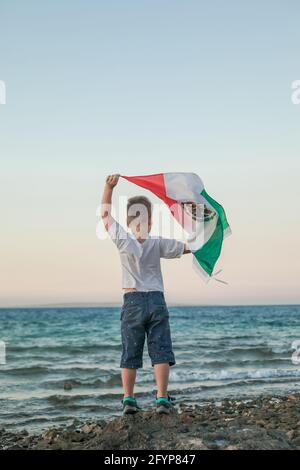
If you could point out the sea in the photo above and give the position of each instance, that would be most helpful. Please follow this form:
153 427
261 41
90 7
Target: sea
63 363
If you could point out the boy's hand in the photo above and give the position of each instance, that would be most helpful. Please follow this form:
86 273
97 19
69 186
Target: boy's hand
112 180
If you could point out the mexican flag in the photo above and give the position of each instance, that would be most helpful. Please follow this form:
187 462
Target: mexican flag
202 218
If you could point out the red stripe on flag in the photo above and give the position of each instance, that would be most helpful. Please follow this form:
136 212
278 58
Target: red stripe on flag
154 183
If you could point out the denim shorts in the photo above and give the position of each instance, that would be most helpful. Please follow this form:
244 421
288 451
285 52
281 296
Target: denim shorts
145 314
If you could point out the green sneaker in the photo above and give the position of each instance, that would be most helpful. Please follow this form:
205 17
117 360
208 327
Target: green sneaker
130 406
164 405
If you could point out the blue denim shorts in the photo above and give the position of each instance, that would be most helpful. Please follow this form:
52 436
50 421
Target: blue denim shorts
145 314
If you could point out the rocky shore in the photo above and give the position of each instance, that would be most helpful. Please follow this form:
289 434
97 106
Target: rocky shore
260 423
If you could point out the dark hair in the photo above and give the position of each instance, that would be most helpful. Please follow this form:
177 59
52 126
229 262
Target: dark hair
138 200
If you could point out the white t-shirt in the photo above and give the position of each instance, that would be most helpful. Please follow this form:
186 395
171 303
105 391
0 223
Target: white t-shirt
141 261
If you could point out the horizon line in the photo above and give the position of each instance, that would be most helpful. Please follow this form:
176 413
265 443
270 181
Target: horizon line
118 304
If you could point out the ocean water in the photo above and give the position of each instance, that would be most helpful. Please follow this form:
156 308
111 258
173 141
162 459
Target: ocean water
220 352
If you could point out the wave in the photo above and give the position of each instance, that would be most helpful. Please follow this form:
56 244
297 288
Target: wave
264 351
210 363
79 402
63 348
35 370
65 399
30 370
232 375
250 351
113 381
187 348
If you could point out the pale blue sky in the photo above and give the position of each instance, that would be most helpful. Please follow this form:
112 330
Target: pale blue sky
140 87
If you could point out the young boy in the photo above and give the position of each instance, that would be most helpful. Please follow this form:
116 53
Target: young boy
144 311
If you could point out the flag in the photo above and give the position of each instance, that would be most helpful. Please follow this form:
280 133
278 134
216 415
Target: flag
202 218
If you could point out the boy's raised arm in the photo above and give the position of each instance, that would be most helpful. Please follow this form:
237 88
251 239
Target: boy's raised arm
110 182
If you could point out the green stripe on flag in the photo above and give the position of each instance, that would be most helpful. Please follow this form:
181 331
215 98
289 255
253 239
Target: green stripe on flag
218 208
208 255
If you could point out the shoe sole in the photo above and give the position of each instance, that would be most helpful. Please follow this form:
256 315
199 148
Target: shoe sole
129 410
162 410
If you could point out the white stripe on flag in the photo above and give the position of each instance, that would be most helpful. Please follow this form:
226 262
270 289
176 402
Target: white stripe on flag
183 187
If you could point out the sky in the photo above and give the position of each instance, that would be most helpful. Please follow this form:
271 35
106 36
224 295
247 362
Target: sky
139 87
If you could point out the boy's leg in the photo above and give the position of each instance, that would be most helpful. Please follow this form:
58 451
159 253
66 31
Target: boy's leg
161 373
128 381
159 342
133 337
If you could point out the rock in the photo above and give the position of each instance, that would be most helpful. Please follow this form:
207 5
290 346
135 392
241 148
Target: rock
87 428
50 435
14 447
291 434
186 418
296 442
91 428
191 444
75 436
68 386
262 423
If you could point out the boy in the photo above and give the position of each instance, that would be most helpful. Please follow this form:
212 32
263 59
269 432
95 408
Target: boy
144 311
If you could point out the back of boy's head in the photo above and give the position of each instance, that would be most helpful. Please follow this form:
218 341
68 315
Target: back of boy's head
138 206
